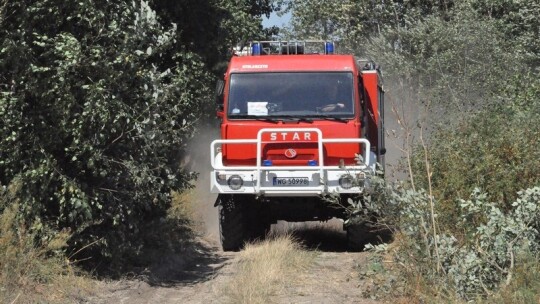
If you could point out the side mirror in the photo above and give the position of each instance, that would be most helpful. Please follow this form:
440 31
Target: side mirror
220 88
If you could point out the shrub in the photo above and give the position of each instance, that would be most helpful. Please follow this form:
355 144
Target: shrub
495 150
479 260
25 269
94 120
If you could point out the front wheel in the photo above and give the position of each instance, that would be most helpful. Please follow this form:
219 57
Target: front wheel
358 235
362 232
232 222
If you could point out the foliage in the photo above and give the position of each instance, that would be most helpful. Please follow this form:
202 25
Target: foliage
483 256
489 255
25 269
212 28
354 23
525 283
517 20
453 56
462 77
94 121
498 147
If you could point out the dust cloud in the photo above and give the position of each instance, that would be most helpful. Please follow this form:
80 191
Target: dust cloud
402 115
203 200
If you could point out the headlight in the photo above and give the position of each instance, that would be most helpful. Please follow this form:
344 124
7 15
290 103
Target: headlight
346 181
235 182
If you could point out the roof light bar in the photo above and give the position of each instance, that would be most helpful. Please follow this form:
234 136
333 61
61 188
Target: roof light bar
258 48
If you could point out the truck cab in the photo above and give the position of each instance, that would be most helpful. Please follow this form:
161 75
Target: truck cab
298 122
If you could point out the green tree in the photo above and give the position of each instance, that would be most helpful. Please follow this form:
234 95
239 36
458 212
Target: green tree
518 20
212 28
352 23
94 116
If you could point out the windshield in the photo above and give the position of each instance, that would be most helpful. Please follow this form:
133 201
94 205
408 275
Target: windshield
291 95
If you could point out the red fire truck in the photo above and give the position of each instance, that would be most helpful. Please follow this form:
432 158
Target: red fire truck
295 121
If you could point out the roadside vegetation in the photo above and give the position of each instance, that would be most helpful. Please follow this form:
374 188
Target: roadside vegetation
462 82
30 273
98 101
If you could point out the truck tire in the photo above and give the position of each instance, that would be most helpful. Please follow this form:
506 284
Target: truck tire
355 238
359 235
232 222
365 232
260 229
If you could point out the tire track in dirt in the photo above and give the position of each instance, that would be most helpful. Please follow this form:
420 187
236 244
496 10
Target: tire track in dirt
333 277
197 281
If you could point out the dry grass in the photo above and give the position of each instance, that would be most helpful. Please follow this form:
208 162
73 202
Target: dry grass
183 205
30 273
264 268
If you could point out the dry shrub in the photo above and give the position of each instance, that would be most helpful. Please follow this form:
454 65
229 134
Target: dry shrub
183 205
264 268
30 273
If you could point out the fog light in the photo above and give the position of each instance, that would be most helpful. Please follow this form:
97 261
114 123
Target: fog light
221 176
235 182
346 181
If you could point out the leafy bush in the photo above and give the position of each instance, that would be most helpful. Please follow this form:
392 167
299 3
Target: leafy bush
488 256
495 150
94 120
525 282
25 269
466 73
482 257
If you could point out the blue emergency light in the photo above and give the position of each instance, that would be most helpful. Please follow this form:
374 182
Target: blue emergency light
256 48
312 162
267 162
329 48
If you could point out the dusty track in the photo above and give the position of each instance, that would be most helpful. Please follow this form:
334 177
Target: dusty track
333 277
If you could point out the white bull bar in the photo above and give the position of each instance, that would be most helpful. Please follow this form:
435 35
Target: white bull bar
324 178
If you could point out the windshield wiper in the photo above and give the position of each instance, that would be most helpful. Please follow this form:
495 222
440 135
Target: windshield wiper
293 117
328 117
256 117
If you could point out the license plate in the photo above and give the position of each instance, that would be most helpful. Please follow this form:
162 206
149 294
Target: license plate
290 181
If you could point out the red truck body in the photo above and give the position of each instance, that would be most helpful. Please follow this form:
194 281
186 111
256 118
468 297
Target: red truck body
306 148
293 125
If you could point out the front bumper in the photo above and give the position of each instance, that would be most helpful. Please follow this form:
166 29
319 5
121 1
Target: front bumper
292 180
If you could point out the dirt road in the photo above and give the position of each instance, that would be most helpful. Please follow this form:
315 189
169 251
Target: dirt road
333 276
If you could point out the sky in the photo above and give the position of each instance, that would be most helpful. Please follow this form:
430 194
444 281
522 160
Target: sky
275 20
